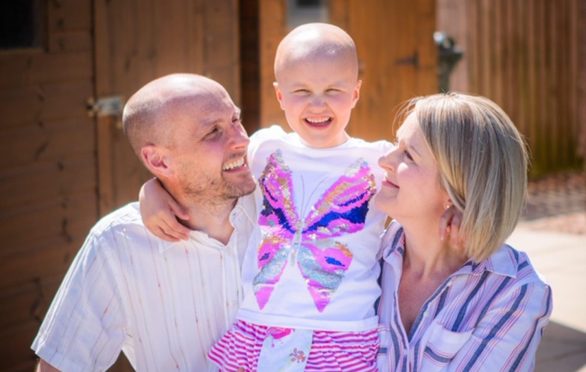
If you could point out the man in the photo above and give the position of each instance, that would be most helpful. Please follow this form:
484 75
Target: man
162 303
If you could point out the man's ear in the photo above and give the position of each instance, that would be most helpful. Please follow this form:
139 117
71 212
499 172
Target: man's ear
278 94
356 93
155 160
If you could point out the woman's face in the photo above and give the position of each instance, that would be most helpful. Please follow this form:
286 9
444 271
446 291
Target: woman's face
411 189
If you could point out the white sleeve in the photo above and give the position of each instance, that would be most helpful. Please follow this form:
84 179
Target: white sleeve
262 135
84 327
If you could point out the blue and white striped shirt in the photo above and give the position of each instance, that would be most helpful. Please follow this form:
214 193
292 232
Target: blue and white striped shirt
484 317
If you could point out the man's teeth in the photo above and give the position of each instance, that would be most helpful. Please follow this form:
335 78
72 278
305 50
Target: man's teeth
322 120
234 164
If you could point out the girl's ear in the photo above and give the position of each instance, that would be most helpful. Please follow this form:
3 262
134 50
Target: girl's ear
356 93
278 94
155 160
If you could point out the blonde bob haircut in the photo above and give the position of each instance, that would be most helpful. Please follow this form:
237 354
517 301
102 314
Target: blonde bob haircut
482 161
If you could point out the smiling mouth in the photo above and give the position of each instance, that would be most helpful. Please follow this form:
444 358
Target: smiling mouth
235 164
319 121
389 183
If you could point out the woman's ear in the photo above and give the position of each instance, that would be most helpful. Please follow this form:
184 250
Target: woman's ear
155 160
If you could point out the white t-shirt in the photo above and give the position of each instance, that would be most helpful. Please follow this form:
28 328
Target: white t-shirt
312 260
163 304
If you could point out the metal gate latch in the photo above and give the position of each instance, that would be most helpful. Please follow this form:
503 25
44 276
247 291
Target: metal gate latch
105 106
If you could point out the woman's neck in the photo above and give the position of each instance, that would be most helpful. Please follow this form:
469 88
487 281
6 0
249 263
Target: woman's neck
426 255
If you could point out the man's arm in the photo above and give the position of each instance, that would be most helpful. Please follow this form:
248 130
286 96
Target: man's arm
45 367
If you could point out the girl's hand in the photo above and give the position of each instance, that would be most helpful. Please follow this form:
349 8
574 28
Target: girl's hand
159 212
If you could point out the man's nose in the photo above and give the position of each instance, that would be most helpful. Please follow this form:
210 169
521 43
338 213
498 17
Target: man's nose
238 137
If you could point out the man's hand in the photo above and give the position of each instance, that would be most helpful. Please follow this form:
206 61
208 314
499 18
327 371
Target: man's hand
45 367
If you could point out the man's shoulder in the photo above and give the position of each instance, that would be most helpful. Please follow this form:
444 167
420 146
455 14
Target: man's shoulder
119 219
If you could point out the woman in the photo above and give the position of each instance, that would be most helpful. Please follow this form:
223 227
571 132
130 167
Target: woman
478 307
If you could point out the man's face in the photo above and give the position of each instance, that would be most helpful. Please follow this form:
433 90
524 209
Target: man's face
208 148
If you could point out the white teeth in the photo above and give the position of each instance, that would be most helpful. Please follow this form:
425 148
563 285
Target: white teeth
320 120
234 164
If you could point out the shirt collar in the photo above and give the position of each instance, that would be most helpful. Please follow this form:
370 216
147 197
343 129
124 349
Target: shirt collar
238 216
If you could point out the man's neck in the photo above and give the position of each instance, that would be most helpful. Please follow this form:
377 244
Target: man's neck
211 218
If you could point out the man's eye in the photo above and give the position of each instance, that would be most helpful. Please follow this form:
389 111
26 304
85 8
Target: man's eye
212 134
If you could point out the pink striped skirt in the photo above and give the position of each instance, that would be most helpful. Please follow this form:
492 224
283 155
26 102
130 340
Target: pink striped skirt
239 349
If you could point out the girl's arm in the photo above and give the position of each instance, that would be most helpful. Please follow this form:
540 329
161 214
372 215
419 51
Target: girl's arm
159 212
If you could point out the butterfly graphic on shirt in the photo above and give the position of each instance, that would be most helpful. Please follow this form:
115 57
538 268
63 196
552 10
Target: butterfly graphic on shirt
309 242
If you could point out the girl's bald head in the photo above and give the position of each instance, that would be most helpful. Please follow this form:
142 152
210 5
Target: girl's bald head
315 42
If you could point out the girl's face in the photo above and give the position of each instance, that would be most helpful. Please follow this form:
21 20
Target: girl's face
411 189
317 97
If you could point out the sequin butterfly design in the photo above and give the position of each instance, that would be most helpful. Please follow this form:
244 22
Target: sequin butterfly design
310 243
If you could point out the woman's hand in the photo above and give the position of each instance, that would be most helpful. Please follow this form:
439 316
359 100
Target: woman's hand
159 212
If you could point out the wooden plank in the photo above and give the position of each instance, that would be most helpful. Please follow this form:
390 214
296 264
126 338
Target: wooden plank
37 182
28 301
70 41
55 140
41 103
17 353
24 228
69 15
272 29
47 257
34 68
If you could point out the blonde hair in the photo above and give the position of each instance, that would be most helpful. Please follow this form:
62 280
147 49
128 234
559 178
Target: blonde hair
482 161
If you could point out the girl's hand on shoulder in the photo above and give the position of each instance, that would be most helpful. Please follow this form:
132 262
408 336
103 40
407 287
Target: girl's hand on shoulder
159 212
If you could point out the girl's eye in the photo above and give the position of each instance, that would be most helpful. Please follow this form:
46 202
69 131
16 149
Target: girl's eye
408 155
301 91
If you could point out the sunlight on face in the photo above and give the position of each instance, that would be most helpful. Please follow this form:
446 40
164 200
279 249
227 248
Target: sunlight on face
411 189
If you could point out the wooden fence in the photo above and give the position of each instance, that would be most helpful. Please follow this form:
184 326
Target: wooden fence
528 56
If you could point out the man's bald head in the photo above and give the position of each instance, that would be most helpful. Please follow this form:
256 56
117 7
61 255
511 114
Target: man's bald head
149 114
315 41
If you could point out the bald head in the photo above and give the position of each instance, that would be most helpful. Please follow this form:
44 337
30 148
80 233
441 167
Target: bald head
315 42
150 112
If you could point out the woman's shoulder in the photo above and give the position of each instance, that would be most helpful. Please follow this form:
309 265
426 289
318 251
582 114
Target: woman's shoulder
515 264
